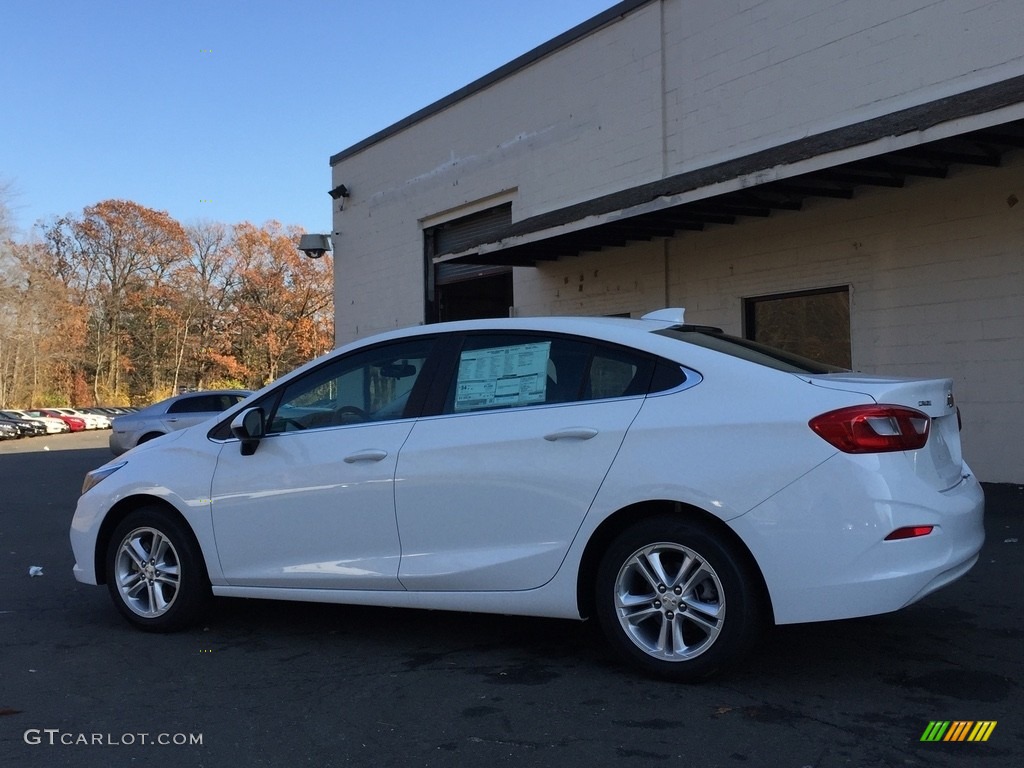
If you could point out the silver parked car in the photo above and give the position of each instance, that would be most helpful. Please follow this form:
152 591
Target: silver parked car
169 415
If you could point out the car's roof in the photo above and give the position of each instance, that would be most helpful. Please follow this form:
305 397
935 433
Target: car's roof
162 405
610 328
201 392
619 330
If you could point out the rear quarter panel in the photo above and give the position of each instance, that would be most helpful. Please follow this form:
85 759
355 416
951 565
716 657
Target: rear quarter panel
724 445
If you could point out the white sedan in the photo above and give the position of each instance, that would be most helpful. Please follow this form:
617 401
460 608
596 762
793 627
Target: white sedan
683 487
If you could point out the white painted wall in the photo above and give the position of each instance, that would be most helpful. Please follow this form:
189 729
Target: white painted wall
745 75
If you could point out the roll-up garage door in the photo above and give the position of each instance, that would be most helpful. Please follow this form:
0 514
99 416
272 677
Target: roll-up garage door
463 233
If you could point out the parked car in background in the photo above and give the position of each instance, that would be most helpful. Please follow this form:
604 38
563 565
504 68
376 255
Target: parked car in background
92 420
75 423
169 415
25 427
110 411
51 425
9 431
683 487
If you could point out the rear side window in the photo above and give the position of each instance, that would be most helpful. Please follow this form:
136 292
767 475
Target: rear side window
519 370
213 403
200 404
615 373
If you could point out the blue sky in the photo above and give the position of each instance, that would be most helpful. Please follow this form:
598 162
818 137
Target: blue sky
226 110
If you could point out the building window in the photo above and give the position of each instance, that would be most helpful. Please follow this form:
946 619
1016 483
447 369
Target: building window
815 324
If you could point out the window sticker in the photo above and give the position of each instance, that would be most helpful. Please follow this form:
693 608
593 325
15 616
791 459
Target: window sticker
502 377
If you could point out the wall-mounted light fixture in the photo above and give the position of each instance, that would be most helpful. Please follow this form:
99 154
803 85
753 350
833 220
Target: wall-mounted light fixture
315 246
338 193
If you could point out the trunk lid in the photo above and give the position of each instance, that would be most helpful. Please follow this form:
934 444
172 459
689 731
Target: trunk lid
940 462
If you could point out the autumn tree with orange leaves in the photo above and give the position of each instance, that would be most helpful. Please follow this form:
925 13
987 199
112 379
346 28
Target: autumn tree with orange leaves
281 303
124 304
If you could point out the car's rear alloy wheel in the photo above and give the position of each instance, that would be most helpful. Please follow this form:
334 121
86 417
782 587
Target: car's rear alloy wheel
675 601
155 571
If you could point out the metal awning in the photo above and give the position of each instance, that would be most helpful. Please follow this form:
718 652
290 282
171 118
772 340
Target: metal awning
885 153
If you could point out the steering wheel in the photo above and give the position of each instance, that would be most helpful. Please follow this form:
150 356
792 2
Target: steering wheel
349 410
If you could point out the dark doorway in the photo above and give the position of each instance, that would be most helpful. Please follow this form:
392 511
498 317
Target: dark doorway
457 291
479 297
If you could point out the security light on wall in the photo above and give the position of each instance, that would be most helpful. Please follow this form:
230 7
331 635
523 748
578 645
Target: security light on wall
315 246
339 193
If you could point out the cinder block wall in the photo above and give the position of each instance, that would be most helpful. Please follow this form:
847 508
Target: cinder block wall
745 76
936 277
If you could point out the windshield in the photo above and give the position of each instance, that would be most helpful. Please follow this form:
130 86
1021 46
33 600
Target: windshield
714 338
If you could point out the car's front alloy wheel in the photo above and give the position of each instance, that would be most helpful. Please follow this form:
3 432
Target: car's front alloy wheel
676 601
155 571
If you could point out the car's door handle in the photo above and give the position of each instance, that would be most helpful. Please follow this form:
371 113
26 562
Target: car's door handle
370 454
572 433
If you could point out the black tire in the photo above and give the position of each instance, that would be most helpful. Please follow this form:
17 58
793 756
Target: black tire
155 571
698 615
149 436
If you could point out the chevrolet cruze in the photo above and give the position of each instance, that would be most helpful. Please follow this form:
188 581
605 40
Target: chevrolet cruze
682 487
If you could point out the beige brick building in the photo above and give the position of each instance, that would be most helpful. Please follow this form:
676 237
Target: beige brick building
843 178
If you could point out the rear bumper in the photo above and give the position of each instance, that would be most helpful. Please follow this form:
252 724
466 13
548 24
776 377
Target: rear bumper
834 562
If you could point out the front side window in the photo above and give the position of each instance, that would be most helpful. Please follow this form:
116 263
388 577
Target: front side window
367 386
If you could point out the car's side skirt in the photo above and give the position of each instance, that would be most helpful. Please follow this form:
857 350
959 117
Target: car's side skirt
542 602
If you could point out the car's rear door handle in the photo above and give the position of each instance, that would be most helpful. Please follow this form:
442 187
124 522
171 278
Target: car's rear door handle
370 454
572 433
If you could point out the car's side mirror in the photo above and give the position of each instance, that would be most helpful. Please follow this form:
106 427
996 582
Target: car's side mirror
248 427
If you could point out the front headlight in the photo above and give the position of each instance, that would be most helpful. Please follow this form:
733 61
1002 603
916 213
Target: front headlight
92 478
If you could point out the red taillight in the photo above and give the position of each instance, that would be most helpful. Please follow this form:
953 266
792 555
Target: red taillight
910 532
873 428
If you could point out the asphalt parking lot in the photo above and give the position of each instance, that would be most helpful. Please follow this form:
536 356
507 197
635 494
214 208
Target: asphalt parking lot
282 684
